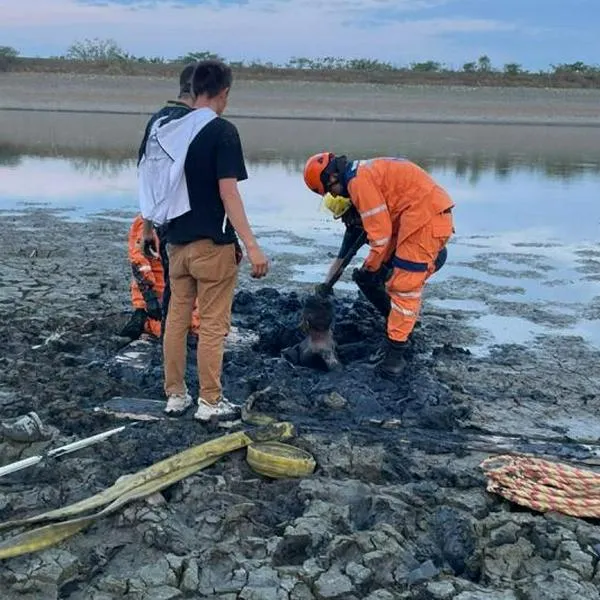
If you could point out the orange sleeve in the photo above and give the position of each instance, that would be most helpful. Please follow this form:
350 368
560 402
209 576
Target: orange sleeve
375 217
140 264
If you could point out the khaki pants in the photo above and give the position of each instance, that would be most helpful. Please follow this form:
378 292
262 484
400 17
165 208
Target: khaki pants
207 272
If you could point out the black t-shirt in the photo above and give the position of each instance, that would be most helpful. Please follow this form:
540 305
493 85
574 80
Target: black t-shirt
174 110
215 153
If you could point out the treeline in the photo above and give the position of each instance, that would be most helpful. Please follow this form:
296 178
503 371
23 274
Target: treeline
97 54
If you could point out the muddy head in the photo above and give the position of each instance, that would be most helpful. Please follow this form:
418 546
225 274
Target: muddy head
317 350
318 314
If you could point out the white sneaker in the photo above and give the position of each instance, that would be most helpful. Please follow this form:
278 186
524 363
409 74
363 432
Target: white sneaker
223 410
177 404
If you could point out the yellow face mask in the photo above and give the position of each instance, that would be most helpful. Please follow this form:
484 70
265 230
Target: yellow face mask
337 205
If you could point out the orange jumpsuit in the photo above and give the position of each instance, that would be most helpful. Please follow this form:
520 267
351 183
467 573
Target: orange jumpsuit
408 219
148 277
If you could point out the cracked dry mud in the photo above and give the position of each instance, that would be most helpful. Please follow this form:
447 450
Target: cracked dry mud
397 507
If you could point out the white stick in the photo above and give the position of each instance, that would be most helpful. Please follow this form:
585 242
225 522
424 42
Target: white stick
68 448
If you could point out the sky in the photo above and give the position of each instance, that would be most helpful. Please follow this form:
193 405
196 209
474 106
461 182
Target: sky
533 33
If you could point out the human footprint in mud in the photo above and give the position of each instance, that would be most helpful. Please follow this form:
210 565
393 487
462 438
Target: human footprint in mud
407 217
193 191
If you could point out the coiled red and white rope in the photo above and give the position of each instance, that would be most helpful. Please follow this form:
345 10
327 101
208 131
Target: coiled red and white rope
544 485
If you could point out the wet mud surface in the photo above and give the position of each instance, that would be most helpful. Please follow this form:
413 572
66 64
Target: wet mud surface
397 507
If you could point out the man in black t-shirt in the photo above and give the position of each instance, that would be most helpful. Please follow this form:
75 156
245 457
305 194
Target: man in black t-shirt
201 246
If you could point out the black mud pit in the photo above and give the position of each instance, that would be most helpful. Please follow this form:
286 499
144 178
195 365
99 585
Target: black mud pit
293 375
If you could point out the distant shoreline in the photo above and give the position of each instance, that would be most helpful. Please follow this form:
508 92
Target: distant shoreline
308 101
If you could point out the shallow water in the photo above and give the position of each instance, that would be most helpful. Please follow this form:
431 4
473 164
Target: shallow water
525 259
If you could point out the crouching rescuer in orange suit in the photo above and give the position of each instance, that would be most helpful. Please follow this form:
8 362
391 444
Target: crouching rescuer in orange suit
147 285
407 217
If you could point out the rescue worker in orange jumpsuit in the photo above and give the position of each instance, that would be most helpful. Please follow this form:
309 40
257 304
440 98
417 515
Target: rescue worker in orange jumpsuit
147 284
407 217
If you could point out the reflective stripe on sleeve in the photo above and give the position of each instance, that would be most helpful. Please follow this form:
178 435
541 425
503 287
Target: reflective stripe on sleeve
373 211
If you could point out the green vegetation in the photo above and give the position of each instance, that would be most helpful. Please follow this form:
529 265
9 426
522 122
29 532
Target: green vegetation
513 69
429 66
106 56
97 50
8 52
8 57
194 56
484 64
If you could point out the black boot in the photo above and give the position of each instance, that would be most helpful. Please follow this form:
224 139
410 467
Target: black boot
135 326
394 361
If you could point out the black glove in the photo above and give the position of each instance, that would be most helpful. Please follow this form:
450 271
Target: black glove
440 259
153 309
149 249
323 290
362 277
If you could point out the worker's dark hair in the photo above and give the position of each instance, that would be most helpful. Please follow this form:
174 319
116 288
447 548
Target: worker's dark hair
211 77
185 79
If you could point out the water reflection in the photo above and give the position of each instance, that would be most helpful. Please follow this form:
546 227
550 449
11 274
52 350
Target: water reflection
472 167
465 167
104 167
525 201
527 222
468 152
8 157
